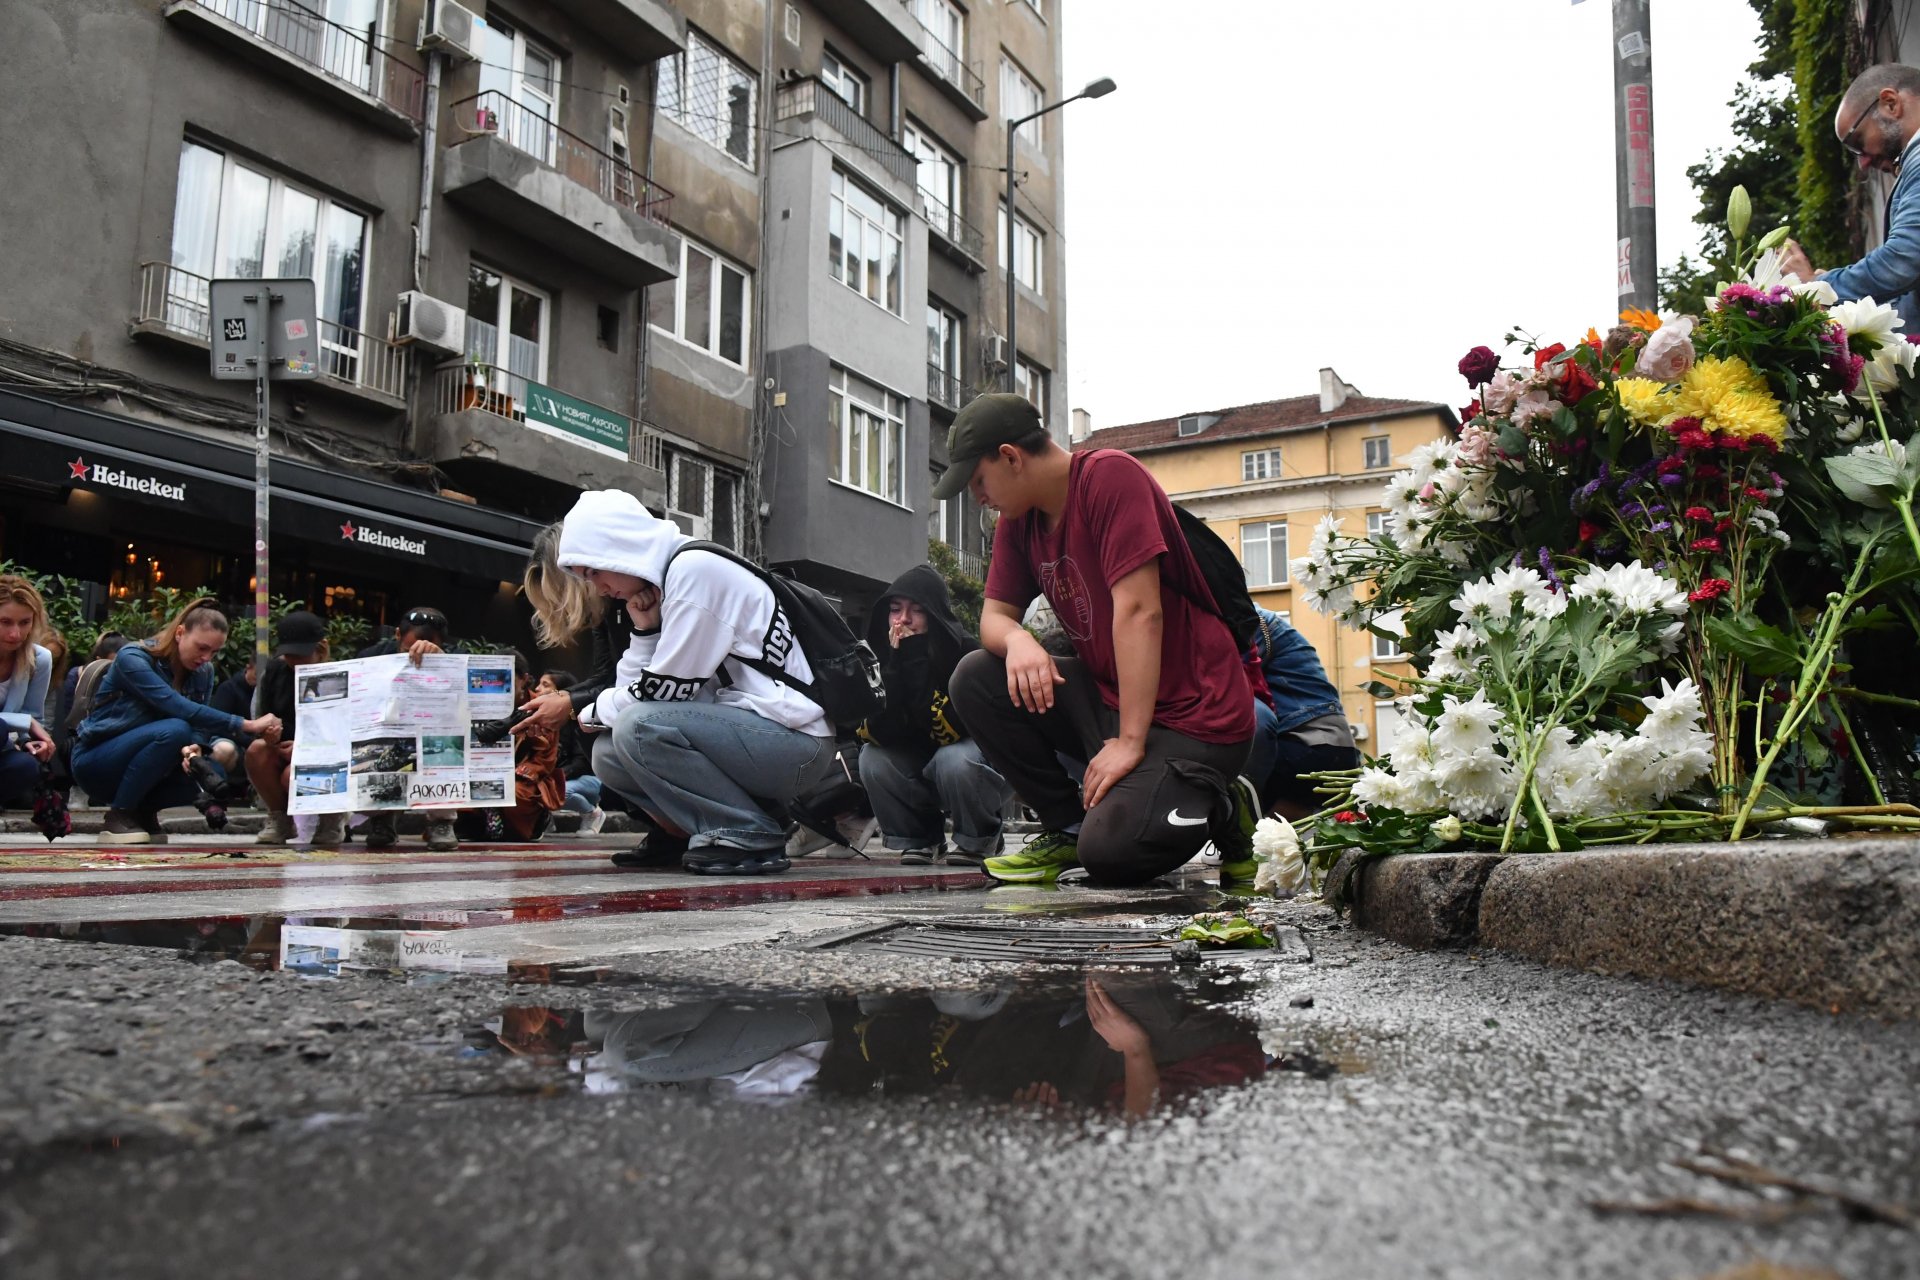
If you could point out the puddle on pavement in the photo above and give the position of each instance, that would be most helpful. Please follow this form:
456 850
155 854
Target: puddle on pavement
1105 1041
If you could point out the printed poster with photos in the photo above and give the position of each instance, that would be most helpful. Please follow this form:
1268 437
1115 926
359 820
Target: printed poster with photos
384 733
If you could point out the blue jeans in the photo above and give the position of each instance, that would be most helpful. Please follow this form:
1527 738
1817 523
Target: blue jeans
1278 759
583 794
913 794
139 768
704 768
19 774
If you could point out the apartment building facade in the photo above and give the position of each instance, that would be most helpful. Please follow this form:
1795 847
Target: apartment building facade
556 245
1264 475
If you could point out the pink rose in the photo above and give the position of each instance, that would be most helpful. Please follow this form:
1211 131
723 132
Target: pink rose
1476 445
1668 353
1504 390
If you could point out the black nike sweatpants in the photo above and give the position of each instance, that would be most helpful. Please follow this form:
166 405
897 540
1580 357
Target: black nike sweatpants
1151 821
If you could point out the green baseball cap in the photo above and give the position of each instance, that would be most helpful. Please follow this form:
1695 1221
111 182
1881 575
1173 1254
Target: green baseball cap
988 421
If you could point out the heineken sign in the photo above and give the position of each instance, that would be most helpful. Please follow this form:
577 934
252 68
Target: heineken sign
101 473
558 414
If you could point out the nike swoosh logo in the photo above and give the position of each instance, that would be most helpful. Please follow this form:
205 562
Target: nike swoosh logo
1174 818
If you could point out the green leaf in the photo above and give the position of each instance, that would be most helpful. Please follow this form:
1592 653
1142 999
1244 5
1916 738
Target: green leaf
1765 649
1866 478
1511 441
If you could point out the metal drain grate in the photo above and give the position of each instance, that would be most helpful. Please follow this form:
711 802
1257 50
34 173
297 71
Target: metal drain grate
1033 943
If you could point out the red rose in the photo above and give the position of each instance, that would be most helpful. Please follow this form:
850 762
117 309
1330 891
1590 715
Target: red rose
1588 531
1545 354
1575 383
1469 413
1479 365
1349 815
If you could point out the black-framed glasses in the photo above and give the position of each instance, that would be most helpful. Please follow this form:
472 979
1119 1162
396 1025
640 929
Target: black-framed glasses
1849 143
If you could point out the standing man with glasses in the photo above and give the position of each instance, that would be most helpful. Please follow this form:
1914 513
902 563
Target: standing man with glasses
1877 122
422 630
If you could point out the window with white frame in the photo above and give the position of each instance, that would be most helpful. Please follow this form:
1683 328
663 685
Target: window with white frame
1263 553
1260 464
1387 719
1033 6
1377 451
1388 646
1030 380
793 24
866 242
853 87
507 324
703 500
946 26
707 306
938 178
233 219
869 436
711 93
1379 524
1029 250
520 85
945 339
1021 96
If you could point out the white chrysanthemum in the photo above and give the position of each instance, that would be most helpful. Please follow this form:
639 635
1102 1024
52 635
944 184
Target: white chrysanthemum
1376 788
1855 428
1681 769
1277 846
1466 727
1868 319
1479 604
1887 365
1672 714
1479 784
1527 591
1567 772
1631 772
1412 747
1420 791
1895 450
1632 589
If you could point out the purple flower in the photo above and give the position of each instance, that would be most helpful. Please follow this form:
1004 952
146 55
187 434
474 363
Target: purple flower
1584 494
1633 509
1659 566
1662 527
1672 478
1546 568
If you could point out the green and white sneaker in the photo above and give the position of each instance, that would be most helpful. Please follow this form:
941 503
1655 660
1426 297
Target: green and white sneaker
1237 862
1041 862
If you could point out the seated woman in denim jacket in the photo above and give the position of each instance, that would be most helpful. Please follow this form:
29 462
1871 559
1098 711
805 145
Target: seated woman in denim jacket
26 667
150 718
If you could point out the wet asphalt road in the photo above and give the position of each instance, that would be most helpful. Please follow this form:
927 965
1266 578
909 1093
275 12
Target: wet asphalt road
160 1117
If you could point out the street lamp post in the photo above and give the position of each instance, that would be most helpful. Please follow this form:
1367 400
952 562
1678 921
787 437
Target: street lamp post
1098 89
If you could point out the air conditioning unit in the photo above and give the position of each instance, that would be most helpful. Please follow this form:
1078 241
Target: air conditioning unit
431 323
995 354
451 27
1358 730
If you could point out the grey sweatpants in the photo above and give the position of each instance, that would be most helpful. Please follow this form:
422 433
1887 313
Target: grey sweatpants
1151 821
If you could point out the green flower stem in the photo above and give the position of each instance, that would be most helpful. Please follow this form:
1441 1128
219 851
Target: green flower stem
1816 668
1867 695
1902 502
1859 758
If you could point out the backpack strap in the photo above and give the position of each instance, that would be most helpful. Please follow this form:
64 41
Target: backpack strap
765 668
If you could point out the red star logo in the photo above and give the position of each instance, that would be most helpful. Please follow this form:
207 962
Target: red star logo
347 531
77 469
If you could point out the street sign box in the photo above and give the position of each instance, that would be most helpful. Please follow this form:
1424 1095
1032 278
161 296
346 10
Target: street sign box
292 329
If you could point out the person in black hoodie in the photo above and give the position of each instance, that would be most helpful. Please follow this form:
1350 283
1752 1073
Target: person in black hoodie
918 765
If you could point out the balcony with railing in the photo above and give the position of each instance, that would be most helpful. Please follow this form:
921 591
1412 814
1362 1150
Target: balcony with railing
521 169
810 99
344 64
955 76
946 390
885 28
176 305
487 416
960 238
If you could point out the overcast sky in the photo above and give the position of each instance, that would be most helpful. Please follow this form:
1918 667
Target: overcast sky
1279 185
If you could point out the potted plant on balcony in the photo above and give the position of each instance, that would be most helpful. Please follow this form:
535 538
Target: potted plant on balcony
480 392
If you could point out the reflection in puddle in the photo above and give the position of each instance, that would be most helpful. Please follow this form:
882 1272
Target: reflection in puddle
1124 1043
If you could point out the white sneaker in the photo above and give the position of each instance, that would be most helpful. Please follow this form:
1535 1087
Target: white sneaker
277 830
590 824
330 831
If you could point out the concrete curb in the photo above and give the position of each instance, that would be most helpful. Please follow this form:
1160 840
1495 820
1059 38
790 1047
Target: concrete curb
1829 923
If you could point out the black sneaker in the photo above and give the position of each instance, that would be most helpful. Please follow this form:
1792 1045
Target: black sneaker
380 831
924 856
657 850
718 860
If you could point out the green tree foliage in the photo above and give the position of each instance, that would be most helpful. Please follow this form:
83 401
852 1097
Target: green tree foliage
966 590
1763 160
1820 76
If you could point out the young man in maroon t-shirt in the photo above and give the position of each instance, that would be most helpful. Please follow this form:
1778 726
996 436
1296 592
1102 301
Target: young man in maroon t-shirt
1156 702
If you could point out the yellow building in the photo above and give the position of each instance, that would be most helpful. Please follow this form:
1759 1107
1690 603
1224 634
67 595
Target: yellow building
1263 475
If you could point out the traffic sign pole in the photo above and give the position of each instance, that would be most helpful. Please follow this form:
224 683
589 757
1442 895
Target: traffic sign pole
263 300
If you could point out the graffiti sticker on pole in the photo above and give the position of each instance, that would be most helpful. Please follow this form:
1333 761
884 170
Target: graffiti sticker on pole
1623 266
1640 146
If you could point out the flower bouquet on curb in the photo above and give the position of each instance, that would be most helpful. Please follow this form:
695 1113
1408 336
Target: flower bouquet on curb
1646 570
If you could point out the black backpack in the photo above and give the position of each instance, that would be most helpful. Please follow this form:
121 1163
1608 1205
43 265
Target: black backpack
846 674
1226 578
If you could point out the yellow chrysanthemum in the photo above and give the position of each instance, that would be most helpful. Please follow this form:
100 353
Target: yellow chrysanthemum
1643 401
1728 395
1635 318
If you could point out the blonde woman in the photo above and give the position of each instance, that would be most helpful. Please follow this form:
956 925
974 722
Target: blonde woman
150 719
26 669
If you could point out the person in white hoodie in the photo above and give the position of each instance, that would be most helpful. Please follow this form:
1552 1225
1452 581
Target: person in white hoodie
698 728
